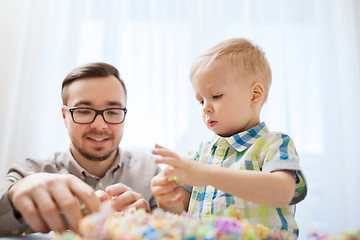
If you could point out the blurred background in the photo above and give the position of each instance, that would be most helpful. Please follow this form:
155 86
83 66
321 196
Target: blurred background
313 47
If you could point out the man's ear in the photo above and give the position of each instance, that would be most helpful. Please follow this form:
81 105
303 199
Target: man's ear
257 91
63 115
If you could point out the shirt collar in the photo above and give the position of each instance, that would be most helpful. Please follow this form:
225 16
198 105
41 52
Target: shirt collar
243 140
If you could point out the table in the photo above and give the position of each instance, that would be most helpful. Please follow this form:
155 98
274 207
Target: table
34 236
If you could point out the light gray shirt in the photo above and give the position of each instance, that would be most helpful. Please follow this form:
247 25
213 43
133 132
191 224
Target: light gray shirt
134 169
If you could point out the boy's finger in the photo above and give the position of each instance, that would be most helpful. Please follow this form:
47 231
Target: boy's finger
169 197
178 198
160 180
164 189
172 162
163 152
158 146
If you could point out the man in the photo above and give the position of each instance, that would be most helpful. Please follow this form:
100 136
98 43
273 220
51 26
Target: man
44 195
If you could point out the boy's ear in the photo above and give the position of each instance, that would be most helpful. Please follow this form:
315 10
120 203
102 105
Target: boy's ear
257 91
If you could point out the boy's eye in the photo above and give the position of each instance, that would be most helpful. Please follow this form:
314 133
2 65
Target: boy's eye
201 102
217 96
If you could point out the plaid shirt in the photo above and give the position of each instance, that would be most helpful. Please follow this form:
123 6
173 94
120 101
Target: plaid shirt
259 150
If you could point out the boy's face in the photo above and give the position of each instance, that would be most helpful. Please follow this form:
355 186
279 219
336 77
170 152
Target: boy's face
96 141
226 96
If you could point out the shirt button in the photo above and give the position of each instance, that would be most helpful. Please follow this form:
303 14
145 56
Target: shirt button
101 185
219 152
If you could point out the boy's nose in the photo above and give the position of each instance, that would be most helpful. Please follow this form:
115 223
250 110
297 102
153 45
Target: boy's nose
207 108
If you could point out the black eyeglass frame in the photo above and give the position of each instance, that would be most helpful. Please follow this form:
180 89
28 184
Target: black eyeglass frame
97 112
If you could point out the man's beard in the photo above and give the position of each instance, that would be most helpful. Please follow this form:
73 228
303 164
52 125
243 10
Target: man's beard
93 157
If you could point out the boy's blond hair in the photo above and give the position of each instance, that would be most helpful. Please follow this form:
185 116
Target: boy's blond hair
245 56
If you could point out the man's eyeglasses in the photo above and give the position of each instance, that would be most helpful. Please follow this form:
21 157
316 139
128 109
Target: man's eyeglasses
85 115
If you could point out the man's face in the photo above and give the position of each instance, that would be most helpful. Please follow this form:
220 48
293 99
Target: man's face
96 141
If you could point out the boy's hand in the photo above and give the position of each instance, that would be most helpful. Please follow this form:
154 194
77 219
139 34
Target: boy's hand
186 170
165 192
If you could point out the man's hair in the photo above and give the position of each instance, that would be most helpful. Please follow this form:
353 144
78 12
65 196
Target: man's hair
90 70
245 56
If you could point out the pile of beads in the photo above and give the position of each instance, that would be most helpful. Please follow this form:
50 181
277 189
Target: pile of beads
137 224
345 236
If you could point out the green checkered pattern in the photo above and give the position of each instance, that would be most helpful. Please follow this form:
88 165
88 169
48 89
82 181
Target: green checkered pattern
258 150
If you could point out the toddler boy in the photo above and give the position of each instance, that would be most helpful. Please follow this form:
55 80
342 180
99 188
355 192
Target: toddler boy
245 164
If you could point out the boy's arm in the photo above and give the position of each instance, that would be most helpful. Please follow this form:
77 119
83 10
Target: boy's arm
275 189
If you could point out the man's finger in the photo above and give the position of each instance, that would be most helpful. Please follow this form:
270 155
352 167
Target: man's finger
31 216
49 210
141 203
85 193
116 189
68 204
101 195
124 200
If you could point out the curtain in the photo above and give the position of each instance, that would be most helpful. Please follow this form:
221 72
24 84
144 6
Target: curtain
313 48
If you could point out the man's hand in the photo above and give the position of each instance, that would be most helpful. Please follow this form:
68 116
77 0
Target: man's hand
123 197
40 198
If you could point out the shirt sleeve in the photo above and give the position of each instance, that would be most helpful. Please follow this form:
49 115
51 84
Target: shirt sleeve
10 224
280 154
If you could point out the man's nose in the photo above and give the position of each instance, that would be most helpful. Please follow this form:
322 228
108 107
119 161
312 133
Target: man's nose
99 122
